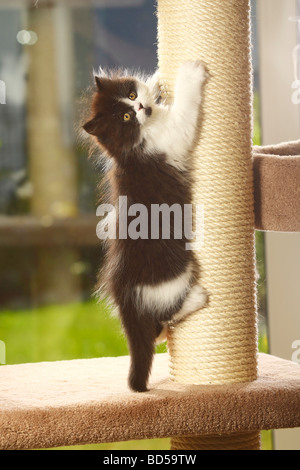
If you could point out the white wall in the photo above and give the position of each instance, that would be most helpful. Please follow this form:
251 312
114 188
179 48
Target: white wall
280 122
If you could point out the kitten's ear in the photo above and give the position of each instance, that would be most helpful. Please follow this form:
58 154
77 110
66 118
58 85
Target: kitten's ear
101 83
98 82
91 126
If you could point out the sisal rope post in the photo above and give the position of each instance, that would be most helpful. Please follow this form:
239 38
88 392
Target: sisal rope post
217 345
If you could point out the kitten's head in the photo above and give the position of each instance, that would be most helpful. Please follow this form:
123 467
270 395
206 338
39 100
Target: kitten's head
121 107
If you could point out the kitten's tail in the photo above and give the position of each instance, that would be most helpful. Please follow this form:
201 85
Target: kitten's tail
141 332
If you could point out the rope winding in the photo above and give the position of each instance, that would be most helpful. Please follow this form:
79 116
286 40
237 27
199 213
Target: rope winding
243 441
217 345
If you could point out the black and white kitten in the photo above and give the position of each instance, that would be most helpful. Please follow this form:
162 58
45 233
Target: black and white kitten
153 282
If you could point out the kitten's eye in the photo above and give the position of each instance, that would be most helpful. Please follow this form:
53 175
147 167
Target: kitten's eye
132 96
127 117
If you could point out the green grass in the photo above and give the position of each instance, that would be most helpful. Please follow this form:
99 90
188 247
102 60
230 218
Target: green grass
60 333
256 120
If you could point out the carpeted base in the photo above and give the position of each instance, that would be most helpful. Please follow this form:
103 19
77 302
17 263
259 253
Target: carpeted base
276 181
47 405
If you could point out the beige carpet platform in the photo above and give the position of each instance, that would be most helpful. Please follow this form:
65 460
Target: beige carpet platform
277 185
47 405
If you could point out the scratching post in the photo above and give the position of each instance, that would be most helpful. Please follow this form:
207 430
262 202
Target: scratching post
217 345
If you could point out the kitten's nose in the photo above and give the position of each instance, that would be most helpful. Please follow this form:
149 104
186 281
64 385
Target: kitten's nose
141 106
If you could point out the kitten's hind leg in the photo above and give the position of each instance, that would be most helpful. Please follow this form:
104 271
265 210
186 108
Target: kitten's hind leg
195 300
162 334
141 332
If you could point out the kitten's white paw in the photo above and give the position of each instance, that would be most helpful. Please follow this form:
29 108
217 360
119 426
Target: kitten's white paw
193 71
201 296
195 300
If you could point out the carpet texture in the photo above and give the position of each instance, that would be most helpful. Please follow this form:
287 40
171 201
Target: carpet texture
277 187
45 405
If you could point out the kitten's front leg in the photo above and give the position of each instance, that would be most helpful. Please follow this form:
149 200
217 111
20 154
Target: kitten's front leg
188 88
174 127
188 97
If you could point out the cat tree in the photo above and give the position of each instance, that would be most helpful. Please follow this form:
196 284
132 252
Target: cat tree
221 392
219 344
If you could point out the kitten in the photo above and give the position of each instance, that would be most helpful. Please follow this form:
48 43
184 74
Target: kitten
154 282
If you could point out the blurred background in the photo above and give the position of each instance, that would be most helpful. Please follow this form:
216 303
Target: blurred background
49 253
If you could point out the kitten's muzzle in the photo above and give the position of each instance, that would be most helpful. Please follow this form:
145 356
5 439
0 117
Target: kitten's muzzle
148 110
